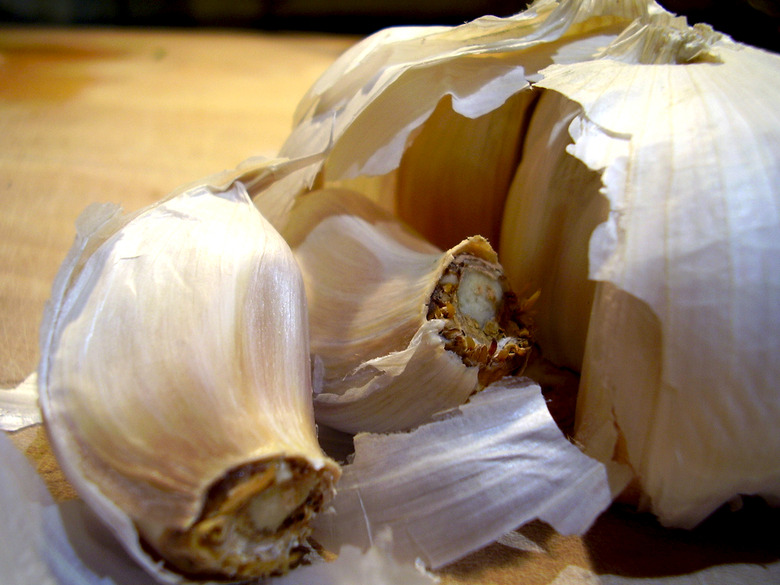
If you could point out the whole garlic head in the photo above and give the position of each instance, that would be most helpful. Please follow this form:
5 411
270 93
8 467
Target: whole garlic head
643 203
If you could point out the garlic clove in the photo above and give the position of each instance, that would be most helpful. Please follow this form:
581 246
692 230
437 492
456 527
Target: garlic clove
436 185
175 386
550 212
401 329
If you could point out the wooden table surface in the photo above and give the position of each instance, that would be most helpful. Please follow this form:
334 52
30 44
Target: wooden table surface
93 115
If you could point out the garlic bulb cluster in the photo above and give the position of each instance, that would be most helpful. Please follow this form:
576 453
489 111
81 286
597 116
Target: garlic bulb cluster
400 329
625 168
625 165
175 386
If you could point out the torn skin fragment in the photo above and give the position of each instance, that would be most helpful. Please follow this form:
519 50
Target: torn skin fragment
476 473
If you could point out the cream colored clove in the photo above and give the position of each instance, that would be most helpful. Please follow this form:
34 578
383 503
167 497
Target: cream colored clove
175 386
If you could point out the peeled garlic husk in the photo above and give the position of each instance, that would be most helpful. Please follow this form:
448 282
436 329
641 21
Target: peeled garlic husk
644 208
175 386
454 485
400 329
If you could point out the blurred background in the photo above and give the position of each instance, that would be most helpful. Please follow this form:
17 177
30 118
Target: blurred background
752 21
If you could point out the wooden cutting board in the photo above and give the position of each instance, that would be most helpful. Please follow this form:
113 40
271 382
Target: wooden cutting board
94 115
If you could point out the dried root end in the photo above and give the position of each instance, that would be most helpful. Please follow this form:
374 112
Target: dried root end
254 524
486 324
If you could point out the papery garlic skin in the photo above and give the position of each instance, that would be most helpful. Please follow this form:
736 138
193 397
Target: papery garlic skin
393 81
401 329
459 483
175 386
664 277
687 263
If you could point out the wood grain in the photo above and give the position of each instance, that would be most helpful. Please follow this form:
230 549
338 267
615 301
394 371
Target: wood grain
99 115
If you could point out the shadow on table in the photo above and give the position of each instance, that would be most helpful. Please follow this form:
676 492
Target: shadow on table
629 543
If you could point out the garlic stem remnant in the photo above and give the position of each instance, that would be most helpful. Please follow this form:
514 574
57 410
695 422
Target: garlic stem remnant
192 433
484 321
401 329
251 523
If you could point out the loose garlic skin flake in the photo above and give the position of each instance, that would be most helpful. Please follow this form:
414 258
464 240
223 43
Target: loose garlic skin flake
175 386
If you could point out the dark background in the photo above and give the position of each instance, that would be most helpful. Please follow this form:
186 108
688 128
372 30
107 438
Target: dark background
756 22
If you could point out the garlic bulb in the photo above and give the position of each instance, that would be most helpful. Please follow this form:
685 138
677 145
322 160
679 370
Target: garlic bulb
175 386
643 206
401 329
